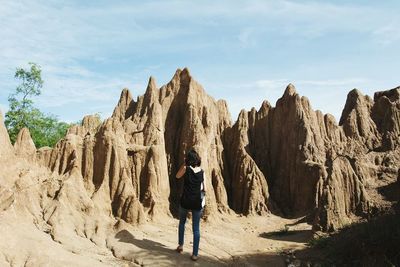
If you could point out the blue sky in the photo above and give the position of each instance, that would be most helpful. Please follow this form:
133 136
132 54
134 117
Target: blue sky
241 51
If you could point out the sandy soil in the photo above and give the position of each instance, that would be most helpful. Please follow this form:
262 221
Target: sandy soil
233 241
73 237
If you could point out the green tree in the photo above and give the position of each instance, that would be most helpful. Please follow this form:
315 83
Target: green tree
45 130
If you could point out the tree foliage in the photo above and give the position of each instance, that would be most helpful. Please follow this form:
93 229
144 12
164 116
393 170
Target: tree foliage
45 129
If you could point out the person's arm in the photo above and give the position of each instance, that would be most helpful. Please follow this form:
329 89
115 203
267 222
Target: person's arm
181 171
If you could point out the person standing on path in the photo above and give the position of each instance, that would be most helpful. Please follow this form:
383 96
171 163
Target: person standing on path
192 199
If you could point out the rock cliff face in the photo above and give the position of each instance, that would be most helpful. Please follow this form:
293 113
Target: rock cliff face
47 218
386 115
313 166
128 163
246 184
366 163
289 159
6 149
24 146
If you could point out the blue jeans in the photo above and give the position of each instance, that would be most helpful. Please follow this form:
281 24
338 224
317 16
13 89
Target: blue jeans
196 214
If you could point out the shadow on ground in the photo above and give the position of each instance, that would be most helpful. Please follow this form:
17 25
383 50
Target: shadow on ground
299 236
126 237
391 192
156 254
372 243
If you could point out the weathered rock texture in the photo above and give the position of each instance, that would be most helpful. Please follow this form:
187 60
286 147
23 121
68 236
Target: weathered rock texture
287 159
24 146
311 165
366 163
6 149
46 218
128 163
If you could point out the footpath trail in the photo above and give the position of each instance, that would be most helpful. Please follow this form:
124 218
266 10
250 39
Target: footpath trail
233 241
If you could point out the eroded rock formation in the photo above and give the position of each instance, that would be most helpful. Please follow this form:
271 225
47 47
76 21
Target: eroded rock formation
130 160
364 164
314 166
289 159
6 149
24 146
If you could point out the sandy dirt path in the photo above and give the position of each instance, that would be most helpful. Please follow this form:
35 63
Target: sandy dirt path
232 241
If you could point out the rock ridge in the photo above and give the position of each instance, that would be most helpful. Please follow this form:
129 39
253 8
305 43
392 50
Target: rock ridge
286 159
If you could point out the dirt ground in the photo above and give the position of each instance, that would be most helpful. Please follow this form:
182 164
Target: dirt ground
233 241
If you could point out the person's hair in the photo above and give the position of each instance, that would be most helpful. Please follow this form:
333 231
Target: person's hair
192 158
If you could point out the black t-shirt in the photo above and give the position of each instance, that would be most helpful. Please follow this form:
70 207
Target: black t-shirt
191 196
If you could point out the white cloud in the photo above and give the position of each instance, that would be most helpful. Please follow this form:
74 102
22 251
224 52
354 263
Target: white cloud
334 83
271 84
308 18
329 96
278 84
388 34
62 37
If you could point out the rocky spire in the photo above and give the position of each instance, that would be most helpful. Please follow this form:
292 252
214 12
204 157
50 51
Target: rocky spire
386 115
356 119
6 149
125 106
24 146
290 90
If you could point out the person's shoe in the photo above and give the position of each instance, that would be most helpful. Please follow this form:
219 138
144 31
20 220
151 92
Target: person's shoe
179 249
194 258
